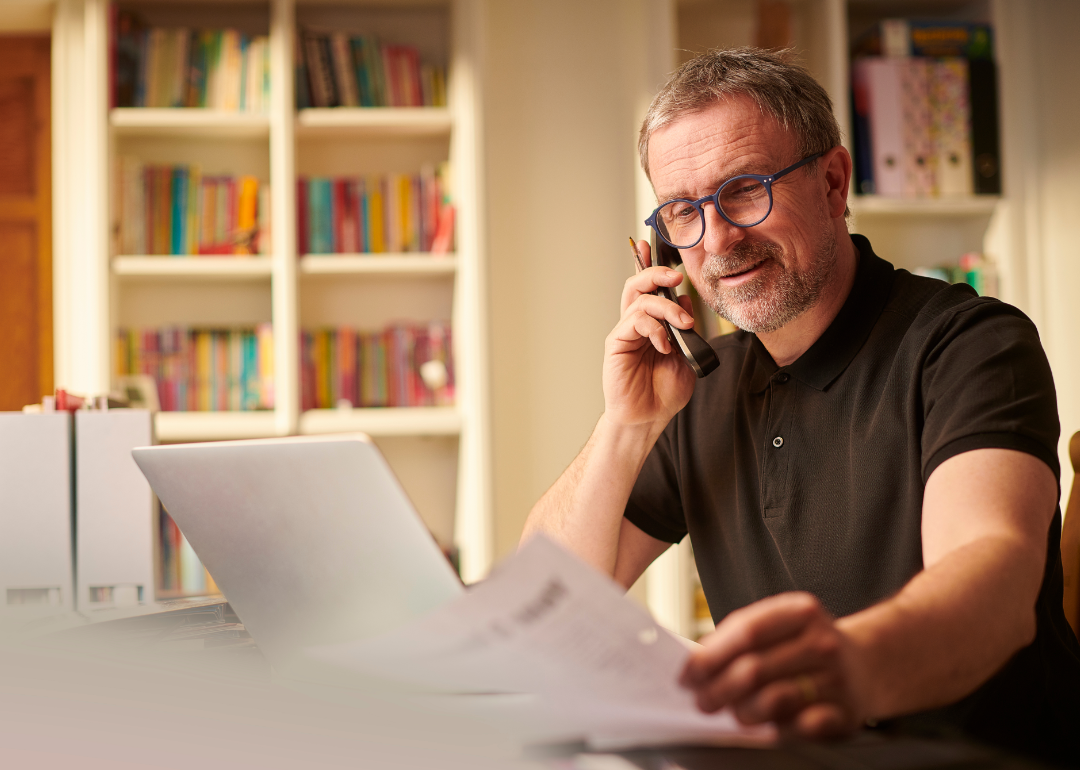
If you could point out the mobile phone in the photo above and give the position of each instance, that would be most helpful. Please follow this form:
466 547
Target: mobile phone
698 353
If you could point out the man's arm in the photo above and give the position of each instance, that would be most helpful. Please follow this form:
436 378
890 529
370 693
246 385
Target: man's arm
986 514
645 384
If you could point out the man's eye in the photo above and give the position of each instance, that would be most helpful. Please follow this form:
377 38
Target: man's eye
681 211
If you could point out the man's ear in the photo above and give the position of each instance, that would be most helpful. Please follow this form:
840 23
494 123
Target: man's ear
837 166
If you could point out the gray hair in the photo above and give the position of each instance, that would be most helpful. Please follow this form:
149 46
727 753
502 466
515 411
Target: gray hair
780 88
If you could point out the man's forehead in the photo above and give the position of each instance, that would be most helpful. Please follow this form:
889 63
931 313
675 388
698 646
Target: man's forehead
727 138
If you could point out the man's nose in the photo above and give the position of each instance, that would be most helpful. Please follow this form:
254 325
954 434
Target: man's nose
720 235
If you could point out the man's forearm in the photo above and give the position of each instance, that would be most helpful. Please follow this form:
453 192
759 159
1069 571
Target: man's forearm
950 629
583 509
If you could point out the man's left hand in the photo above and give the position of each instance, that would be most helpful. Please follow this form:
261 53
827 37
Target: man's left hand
783 660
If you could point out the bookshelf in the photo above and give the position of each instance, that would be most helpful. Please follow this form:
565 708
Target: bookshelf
441 453
909 232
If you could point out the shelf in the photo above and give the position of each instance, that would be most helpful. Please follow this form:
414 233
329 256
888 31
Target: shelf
374 121
381 264
876 205
389 421
213 426
179 122
167 267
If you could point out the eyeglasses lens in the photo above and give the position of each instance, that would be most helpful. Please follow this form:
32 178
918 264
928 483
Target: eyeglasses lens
744 201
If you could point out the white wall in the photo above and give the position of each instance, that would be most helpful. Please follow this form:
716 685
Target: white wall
1053 24
565 88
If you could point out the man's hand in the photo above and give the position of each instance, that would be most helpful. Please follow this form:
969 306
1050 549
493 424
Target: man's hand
644 381
781 660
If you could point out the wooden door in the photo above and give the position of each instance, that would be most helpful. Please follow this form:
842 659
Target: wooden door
26 355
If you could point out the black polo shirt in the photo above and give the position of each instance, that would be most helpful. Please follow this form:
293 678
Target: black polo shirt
810 476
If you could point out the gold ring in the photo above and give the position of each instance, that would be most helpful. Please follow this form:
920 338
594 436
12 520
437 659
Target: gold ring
807 688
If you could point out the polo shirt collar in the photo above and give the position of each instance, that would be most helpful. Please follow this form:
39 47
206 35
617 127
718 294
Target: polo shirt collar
837 346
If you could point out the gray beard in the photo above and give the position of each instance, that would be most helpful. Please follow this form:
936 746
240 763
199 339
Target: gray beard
770 300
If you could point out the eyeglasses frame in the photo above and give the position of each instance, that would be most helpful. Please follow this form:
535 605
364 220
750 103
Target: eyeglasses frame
765 180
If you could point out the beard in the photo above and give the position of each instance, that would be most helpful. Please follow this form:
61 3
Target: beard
773 298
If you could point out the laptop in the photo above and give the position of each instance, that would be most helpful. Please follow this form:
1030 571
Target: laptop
311 539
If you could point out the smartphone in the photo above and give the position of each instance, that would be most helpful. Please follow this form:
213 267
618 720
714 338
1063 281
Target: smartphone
698 353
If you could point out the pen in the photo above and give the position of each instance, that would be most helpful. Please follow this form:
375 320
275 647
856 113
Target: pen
637 254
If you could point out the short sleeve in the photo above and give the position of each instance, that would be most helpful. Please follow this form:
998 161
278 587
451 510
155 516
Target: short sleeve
987 384
655 505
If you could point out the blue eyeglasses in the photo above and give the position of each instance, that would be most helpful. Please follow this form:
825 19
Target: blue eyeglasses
743 201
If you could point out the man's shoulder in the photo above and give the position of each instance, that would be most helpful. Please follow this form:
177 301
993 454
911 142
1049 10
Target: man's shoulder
929 301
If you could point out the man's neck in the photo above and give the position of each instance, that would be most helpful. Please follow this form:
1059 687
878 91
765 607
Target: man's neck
790 341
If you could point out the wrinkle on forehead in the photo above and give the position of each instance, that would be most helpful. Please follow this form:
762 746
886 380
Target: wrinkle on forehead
692 156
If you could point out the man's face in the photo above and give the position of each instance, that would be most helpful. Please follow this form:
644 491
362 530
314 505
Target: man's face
759 277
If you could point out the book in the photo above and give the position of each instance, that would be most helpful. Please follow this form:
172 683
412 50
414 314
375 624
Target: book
178 210
336 69
363 368
926 37
221 69
395 213
202 369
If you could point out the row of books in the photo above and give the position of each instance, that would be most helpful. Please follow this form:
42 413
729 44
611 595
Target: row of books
221 69
972 269
206 370
178 210
375 214
336 70
402 365
925 110
181 572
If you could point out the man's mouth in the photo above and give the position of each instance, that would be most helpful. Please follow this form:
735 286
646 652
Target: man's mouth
742 271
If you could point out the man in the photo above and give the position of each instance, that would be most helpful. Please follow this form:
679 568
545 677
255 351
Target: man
869 479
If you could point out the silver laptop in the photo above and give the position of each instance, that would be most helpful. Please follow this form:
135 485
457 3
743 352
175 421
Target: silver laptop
311 539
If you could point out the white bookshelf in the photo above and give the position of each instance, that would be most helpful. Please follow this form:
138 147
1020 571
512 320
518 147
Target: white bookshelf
412 421
165 267
375 121
908 232
172 427
102 290
145 121
377 264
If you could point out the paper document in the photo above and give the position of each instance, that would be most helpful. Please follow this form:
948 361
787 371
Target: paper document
546 623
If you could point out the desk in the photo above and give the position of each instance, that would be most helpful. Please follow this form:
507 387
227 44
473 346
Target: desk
188 688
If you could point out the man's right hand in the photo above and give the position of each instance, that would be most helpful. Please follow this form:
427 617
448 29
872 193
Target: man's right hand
645 380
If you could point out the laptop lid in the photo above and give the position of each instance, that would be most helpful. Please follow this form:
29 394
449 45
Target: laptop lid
311 539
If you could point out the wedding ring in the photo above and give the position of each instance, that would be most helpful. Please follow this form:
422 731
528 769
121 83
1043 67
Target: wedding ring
807 688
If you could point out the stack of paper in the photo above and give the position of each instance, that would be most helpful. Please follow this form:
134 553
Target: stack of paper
547 624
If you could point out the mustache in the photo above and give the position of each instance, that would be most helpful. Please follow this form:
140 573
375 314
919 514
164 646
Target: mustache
744 256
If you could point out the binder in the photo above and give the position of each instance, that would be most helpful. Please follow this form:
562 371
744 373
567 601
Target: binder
114 510
882 78
919 159
35 511
951 127
985 145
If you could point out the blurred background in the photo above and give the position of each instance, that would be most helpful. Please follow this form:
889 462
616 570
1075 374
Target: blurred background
276 217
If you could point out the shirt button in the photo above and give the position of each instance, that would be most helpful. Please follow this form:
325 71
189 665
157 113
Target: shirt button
783 377
778 442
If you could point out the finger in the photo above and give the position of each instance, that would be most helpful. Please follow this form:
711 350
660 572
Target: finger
778 702
756 626
646 282
661 308
788 662
636 327
823 720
